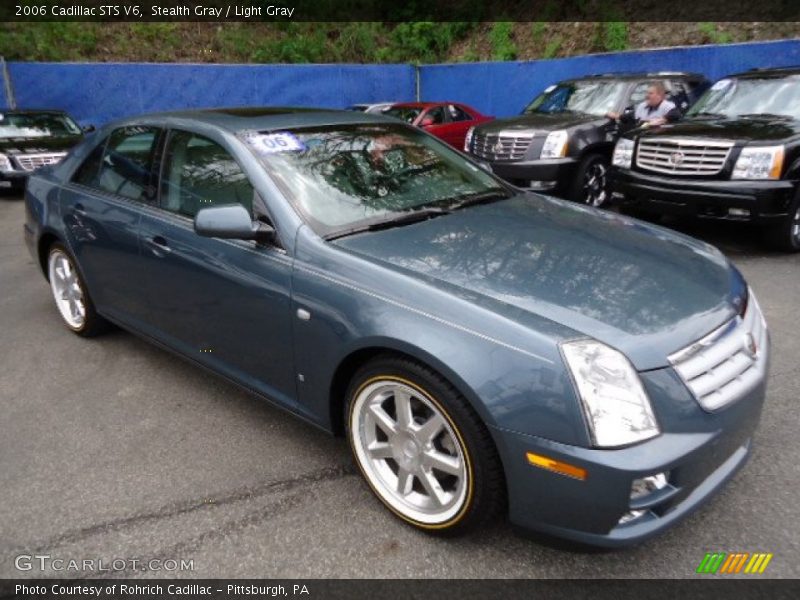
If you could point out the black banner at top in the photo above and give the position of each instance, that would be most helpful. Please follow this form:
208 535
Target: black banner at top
399 10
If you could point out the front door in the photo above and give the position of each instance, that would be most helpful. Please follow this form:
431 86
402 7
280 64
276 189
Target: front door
224 303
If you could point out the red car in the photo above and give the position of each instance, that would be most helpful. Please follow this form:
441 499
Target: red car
448 121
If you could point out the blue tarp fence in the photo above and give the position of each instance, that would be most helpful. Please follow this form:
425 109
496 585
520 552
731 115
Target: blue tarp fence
100 92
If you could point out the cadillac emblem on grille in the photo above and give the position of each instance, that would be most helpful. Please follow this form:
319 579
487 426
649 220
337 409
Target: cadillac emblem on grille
676 158
498 147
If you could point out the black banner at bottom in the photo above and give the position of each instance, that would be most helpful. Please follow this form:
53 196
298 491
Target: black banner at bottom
436 589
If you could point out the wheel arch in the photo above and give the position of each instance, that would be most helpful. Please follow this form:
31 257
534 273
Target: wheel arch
46 240
357 357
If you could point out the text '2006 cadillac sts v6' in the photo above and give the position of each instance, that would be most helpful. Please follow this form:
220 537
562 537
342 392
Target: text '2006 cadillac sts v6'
482 349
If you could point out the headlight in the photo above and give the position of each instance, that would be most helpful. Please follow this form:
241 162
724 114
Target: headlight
614 401
759 163
623 153
468 139
5 163
555 146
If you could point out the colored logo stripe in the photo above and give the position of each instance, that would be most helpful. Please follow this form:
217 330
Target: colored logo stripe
724 563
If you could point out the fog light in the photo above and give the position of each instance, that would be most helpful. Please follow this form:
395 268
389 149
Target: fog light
739 212
631 516
647 485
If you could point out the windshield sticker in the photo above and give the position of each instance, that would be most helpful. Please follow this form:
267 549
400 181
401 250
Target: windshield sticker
721 84
271 143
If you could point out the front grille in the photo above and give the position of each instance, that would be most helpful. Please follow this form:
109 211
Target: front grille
682 156
31 162
722 366
501 146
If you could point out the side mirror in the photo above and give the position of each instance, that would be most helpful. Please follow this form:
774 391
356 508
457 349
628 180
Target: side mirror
231 221
87 128
426 122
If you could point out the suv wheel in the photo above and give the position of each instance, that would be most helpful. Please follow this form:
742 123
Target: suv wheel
591 184
786 235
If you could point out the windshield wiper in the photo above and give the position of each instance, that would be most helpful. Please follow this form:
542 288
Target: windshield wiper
765 116
415 216
707 114
485 197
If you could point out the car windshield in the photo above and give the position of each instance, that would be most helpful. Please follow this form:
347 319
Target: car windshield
346 177
590 97
13 125
752 97
406 114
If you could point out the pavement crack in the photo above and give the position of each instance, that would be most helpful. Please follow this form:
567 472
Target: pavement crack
181 508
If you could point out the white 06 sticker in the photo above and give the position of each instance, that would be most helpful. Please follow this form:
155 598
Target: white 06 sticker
270 143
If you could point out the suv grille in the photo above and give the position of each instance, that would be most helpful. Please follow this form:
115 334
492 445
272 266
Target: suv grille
31 162
682 157
728 362
502 146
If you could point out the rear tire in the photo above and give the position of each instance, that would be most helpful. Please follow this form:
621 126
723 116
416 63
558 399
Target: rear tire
421 448
590 186
785 236
71 294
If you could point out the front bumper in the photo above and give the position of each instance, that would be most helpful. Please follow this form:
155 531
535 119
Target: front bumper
700 451
755 201
15 178
545 174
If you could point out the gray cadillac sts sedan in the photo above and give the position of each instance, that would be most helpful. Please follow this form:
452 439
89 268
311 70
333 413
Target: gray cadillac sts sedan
483 349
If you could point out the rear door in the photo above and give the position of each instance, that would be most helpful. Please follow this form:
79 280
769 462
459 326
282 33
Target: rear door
102 207
223 303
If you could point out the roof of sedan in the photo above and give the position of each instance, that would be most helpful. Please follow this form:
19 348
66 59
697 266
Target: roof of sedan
237 119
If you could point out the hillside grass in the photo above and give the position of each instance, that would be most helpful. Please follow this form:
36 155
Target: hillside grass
360 42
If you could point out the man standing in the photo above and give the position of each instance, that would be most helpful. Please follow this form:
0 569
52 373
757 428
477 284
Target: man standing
653 111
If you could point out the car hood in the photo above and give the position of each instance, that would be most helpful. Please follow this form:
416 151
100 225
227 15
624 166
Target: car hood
539 122
750 129
635 286
36 145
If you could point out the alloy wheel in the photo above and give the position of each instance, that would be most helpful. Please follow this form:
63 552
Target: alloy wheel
67 290
595 186
409 451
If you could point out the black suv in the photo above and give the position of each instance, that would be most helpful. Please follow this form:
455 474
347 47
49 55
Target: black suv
562 142
30 139
735 156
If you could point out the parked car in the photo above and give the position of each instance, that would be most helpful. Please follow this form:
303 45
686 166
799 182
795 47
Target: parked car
446 120
376 107
734 157
30 139
479 346
562 142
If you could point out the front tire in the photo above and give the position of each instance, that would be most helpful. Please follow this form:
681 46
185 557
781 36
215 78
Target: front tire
71 294
590 186
421 448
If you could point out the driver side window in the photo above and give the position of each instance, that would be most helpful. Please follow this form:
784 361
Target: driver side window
199 173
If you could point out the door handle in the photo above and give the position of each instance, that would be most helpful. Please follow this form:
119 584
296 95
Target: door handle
158 246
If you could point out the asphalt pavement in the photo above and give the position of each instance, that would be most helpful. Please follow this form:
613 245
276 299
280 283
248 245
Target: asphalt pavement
113 449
